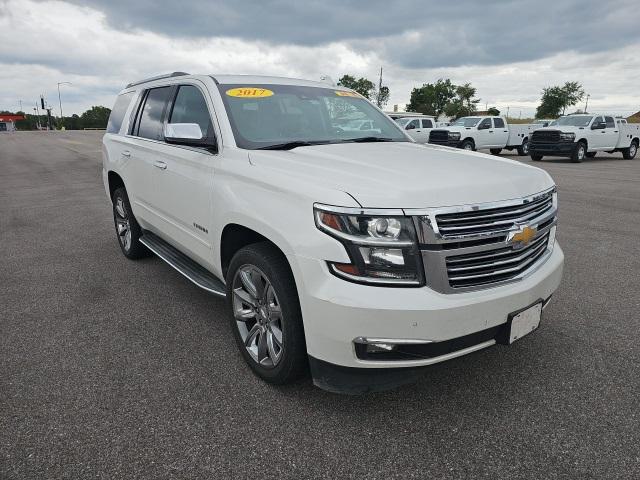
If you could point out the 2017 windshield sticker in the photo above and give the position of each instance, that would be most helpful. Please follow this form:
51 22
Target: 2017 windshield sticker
249 92
342 93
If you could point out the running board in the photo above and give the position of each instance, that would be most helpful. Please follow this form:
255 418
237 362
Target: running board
197 274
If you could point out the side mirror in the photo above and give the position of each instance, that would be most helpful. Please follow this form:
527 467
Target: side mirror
410 127
187 134
178 132
598 126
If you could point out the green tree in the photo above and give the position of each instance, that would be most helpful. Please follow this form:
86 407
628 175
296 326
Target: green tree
493 111
363 86
382 97
555 100
464 102
432 98
95 117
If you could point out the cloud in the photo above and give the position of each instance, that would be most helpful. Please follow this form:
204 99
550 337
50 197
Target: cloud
508 50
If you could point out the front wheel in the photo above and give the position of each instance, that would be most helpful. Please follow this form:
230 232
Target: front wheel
265 313
468 145
630 153
579 153
495 151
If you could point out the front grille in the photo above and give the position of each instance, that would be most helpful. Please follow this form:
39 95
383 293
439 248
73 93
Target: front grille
470 247
546 136
439 137
493 266
487 221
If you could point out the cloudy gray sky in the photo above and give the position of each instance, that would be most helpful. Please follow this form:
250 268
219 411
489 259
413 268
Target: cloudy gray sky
509 50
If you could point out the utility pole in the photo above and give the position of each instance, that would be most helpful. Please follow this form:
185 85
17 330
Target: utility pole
60 102
21 105
508 112
379 88
586 104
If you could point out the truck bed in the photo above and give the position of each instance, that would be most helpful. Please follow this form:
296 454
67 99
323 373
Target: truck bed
628 131
517 133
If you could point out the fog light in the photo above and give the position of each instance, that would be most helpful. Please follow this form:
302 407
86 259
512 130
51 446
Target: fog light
380 347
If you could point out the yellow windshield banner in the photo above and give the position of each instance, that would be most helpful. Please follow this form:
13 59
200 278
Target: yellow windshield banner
342 93
249 92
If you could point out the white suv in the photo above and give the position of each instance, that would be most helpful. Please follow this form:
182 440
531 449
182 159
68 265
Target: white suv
355 254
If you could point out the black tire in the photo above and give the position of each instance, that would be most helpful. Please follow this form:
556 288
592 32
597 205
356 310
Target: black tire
264 259
524 148
630 153
124 222
468 144
579 153
536 158
591 154
495 151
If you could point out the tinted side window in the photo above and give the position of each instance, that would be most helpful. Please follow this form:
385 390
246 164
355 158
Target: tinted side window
486 123
190 107
117 114
610 122
427 124
412 124
498 122
150 123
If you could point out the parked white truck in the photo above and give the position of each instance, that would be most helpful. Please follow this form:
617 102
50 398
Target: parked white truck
355 255
582 136
484 133
417 128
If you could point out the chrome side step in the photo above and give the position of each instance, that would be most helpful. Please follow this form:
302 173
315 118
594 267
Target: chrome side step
197 274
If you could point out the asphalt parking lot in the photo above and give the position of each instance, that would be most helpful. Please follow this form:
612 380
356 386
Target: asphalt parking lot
118 369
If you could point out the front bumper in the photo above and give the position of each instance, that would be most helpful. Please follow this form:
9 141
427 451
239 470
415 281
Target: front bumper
448 143
337 312
556 149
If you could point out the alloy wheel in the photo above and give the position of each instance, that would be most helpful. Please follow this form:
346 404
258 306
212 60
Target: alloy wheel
258 315
123 225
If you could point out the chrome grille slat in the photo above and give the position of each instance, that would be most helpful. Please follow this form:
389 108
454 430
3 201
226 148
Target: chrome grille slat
501 223
529 207
498 253
492 265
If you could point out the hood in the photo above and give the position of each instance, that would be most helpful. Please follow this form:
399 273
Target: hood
404 175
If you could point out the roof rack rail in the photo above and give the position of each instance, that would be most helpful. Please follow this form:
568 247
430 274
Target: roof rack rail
158 77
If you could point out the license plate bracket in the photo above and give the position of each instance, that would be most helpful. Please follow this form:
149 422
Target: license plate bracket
521 323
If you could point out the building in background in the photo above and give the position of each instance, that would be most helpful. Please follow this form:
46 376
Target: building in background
635 118
8 122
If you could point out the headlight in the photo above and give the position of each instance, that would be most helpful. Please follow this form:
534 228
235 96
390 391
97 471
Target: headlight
454 135
567 137
383 247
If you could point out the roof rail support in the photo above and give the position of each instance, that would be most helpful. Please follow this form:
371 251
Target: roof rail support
158 77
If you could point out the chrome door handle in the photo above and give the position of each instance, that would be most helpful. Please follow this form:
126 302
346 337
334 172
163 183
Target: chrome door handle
160 165
126 153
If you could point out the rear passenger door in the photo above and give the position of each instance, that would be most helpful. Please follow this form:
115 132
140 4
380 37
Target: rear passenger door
500 133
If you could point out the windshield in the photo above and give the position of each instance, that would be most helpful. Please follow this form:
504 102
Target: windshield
264 116
466 122
573 121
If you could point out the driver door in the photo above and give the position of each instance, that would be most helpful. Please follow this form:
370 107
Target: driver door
484 134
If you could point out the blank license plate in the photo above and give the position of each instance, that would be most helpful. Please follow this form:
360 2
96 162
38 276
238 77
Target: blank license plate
525 322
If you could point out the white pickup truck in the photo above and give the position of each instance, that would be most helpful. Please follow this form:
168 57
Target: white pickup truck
355 255
484 133
582 136
417 128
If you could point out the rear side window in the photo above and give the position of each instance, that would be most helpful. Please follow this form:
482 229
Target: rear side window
498 122
610 122
151 116
190 107
427 124
117 114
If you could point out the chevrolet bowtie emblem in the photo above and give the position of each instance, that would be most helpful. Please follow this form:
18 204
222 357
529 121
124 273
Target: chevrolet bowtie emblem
522 237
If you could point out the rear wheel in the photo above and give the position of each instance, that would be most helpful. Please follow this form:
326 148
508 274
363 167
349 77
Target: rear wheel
127 228
630 153
579 153
536 158
524 148
468 145
265 313
495 151
591 154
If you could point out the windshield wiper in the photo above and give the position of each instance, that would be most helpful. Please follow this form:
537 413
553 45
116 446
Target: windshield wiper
290 145
368 139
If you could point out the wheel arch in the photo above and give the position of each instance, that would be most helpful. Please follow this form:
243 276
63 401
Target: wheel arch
115 181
